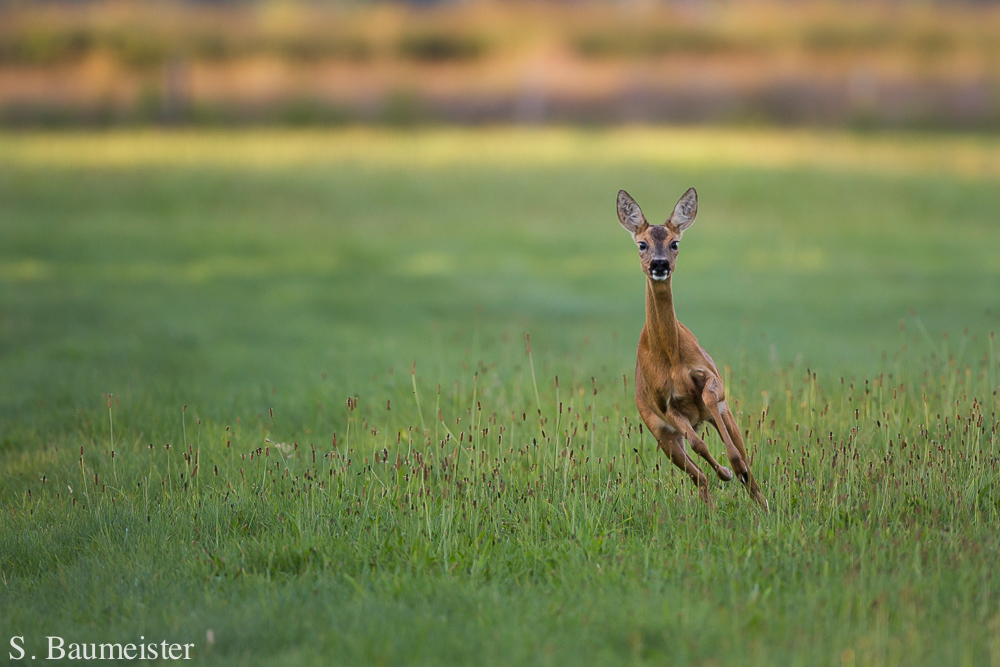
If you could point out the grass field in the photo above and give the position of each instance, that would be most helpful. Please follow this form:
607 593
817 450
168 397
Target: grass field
275 481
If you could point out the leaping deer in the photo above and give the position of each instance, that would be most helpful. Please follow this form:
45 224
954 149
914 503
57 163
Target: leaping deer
677 386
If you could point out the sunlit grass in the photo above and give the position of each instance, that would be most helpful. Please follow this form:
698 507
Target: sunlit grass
970 156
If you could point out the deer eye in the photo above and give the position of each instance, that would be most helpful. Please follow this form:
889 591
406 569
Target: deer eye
642 246
673 245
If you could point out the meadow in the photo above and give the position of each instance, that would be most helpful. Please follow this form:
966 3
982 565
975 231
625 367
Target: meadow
271 393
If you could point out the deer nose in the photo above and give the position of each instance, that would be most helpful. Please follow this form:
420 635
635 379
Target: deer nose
659 267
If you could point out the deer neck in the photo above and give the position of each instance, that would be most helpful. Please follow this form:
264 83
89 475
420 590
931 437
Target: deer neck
661 322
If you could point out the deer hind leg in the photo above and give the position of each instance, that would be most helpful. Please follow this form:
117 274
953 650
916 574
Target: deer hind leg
672 444
734 431
724 423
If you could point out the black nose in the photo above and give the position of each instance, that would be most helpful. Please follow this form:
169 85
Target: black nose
659 266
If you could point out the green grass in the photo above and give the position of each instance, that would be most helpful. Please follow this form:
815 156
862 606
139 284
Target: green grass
238 275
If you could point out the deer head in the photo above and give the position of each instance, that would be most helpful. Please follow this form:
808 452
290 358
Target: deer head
658 244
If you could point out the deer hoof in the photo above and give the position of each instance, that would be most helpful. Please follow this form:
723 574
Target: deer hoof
703 493
759 498
725 474
762 501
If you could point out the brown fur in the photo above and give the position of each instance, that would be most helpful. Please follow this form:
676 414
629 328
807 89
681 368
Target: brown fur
677 386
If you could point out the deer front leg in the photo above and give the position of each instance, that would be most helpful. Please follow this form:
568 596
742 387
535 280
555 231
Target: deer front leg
684 427
672 444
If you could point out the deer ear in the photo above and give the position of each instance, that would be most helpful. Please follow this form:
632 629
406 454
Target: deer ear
629 214
685 211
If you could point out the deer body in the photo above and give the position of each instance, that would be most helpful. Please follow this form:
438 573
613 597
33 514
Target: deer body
677 386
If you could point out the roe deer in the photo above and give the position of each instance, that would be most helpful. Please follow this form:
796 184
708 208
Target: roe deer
677 386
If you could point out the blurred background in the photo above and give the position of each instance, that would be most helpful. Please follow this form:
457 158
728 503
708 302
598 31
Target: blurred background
898 64
230 197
